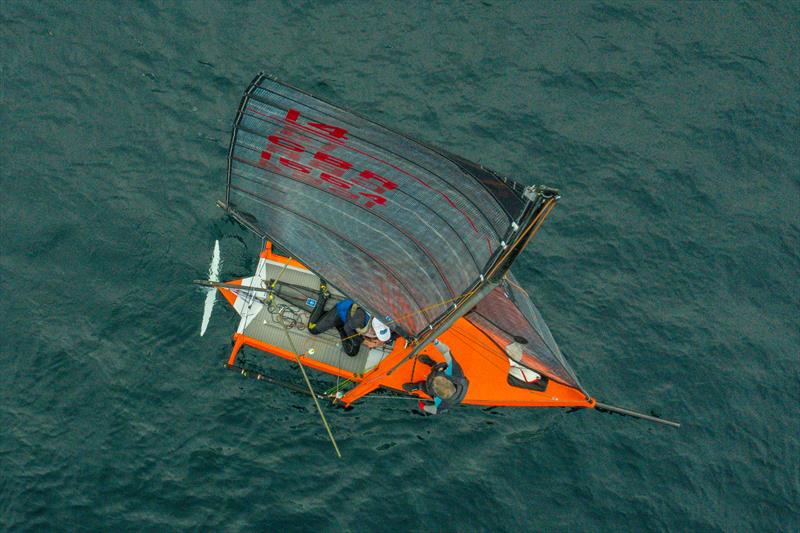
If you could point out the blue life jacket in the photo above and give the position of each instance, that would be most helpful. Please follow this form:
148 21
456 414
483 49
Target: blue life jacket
346 309
343 309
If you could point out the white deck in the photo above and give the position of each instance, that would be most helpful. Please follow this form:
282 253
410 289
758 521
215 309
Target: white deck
287 317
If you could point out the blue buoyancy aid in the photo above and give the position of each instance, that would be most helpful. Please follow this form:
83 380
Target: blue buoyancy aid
343 309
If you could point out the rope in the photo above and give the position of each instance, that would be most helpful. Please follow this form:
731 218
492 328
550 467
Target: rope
482 344
511 282
280 275
311 391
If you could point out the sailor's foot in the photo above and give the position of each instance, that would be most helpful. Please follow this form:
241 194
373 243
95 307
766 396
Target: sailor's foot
350 347
323 289
426 360
413 387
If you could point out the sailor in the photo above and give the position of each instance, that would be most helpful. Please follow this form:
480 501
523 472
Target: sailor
354 325
446 382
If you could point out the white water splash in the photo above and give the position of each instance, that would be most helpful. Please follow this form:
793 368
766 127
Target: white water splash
211 297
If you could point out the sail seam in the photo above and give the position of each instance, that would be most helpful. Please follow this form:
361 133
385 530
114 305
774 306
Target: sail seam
428 146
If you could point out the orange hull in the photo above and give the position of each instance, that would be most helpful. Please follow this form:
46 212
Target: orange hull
484 363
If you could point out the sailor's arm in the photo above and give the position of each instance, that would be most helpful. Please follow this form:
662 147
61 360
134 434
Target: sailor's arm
445 351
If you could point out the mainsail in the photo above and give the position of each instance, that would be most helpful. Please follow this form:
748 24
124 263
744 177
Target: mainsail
400 227
416 235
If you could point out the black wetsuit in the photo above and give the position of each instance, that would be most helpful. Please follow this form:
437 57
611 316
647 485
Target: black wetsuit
346 317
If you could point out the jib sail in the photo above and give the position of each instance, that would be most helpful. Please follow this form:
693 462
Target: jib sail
403 228
510 319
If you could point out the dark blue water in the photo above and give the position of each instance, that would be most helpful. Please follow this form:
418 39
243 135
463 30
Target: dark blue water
668 273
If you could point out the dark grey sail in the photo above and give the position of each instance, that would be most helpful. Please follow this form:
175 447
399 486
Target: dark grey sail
403 228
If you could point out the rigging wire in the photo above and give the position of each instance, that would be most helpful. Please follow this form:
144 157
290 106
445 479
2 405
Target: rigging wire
482 344
261 376
293 318
511 282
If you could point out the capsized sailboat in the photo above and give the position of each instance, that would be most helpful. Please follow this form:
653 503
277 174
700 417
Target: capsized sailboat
417 236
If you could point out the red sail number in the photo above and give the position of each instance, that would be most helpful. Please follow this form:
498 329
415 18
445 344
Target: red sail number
286 144
328 129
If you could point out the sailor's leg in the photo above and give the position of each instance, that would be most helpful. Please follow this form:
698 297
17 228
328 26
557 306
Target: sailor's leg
328 320
350 343
422 358
417 385
319 308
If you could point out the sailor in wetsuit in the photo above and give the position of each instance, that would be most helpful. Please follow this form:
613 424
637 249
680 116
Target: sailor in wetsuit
445 383
354 325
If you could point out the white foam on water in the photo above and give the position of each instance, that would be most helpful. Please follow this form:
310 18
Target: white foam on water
211 296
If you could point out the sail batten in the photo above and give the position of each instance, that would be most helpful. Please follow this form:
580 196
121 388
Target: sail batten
437 151
470 221
378 264
434 261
